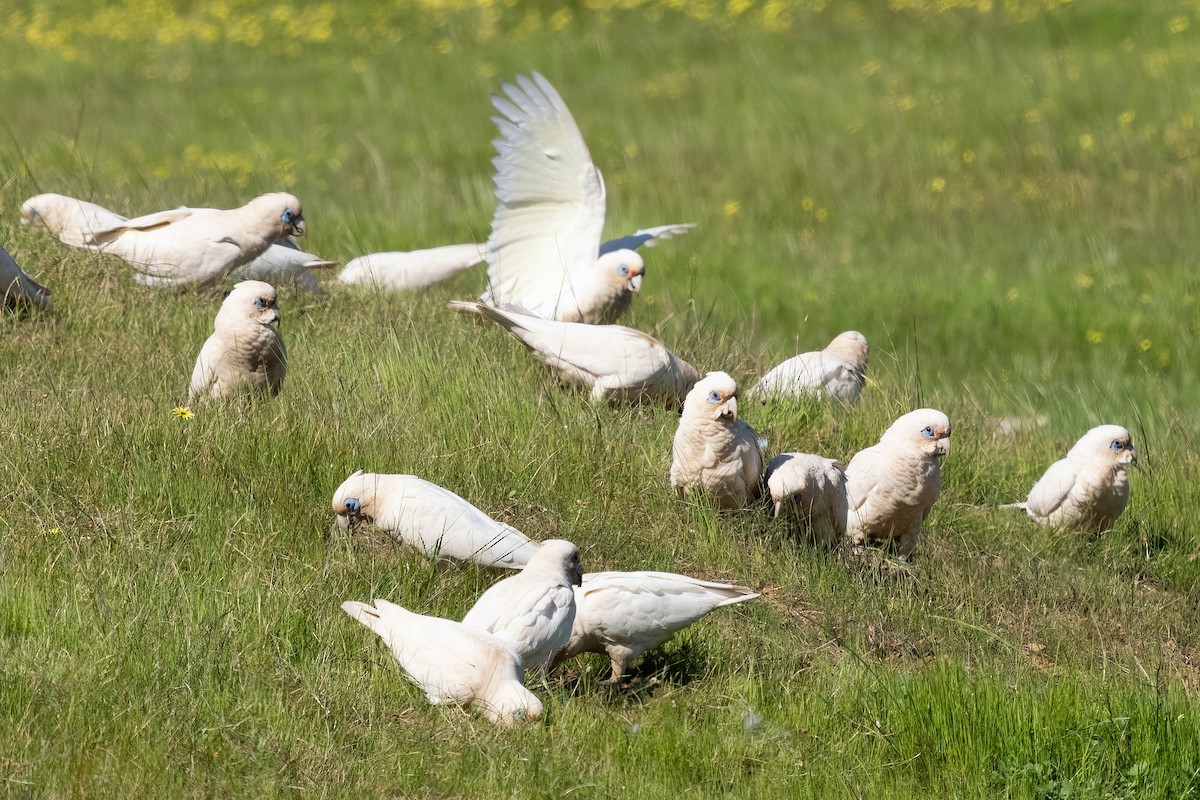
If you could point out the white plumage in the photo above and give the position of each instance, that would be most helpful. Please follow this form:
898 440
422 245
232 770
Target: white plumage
245 351
533 610
412 270
614 362
838 371
1089 488
434 520
812 489
544 254
17 287
891 486
452 662
713 450
627 614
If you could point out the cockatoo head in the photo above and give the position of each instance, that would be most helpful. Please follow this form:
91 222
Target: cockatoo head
509 702
355 498
250 303
852 346
1104 444
43 211
925 430
555 556
281 211
622 268
713 397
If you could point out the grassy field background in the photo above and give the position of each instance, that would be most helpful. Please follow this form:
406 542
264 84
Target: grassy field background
1000 195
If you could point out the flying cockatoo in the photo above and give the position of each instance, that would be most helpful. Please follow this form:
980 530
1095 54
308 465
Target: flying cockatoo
812 489
545 255
627 614
533 610
892 485
412 270
434 520
1089 488
17 287
714 451
75 221
245 351
616 363
453 662
839 371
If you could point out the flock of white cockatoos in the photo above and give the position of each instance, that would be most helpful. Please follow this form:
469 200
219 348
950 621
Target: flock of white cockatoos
557 287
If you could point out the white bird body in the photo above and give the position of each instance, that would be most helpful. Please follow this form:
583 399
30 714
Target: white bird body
891 486
533 610
812 489
713 450
79 223
433 519
1089 488
17 287
839 371
412 270
627 614
616 363
245 351
452 662
545 256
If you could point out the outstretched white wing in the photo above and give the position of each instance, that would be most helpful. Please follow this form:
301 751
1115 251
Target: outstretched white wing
550 201
646 237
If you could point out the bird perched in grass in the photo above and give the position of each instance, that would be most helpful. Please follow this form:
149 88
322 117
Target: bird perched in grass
892 485
545 255
1089 488
627 614
412 270
714 451
17 287
533 611
614 362
452 662
839 371
434 520
811 489
245 351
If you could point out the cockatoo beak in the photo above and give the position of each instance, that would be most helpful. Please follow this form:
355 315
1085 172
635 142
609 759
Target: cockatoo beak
343 521
576 576
273 318
1128 456
729 407
635 283
298 227
942 446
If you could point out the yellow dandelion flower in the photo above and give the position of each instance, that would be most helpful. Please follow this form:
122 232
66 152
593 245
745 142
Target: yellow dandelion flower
908 102
732 207
968 156
1164 357
1145 344
1125 118
870 68
560 19
1178 24
54 531
182 412
937 185
807 204
1084 281
1013 294
822 215
1087 143
1095 337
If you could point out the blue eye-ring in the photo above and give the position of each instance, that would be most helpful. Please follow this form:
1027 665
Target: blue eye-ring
287 215
714 397
1115 444
927 431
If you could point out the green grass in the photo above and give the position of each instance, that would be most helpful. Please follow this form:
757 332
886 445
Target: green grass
1002 200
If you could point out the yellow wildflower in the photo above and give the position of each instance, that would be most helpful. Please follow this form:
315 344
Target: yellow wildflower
1095 337
968 156
182 412
1087 143
1084 281
1125 119
732 207
937 184
1013 294
1178 24
1145 344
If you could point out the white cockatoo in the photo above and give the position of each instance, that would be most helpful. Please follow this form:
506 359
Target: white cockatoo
892 485
545 255
245 351
839 371
412 270
1089 488
714 451
614 362
627 614
17 287
452 662
811 489
533 610
75 221
434 520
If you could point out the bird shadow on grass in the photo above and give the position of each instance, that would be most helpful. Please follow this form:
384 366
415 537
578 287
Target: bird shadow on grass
670 667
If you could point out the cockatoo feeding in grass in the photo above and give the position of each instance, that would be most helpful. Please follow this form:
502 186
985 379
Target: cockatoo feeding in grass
1089 488
533 611
891 486
714 451
839 371
452 662
245 351
614 362
812 489
434 520
545 255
